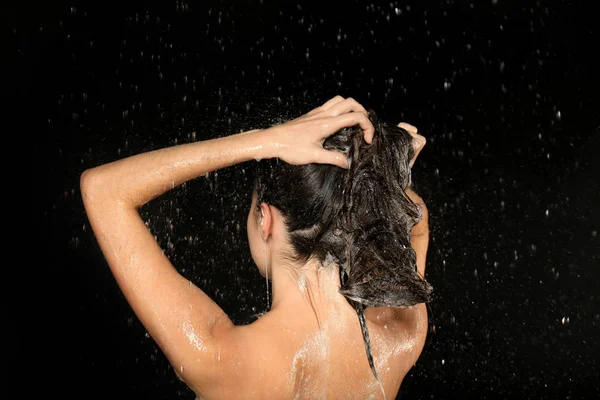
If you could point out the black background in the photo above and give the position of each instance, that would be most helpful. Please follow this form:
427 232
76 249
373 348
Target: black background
505 91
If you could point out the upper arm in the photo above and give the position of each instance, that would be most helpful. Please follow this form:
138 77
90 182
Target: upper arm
186 324
420 233
409 325
414 323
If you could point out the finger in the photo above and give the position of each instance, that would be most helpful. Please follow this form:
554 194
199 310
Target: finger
408 127
419 141
333 158
326 105
418 144
334 124
330 103
345 106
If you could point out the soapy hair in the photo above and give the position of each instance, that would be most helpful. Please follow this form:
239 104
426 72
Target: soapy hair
359 219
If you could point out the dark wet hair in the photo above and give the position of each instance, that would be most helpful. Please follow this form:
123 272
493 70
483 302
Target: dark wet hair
360 218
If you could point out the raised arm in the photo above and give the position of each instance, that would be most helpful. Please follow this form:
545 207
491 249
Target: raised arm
186 324
192 331
420 233
413 321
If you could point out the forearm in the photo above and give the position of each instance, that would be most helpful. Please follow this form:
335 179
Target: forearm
135 180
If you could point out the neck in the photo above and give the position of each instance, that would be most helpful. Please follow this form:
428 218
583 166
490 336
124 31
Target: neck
310 287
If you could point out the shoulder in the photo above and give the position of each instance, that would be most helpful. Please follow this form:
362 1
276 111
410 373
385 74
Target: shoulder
251 359
405 326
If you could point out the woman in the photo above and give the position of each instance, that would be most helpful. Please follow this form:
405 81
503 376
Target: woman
356 253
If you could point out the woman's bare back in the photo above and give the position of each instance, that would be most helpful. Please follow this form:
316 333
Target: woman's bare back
291 357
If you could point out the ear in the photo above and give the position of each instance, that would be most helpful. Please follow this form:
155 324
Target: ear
265 220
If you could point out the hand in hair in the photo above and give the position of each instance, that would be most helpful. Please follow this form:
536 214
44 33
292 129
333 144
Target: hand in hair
300 141
419 140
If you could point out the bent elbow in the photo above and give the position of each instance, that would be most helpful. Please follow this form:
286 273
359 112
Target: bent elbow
87 181
93 186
